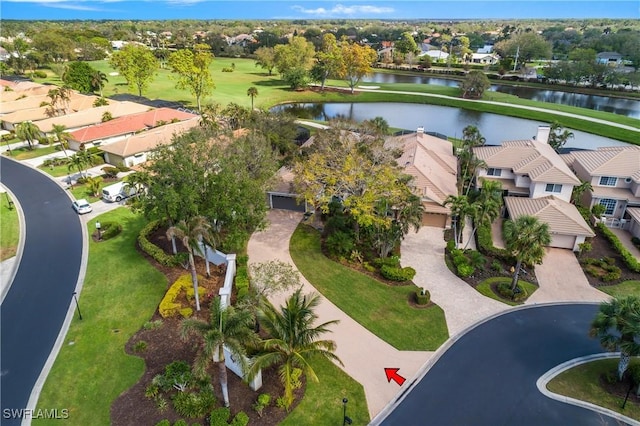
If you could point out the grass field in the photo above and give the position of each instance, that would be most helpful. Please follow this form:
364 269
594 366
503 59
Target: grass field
582 382
625 288
121 291
9 228
232 87
384 310
25 153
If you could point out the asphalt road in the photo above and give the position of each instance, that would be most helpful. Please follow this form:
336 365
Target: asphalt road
489 376
35 306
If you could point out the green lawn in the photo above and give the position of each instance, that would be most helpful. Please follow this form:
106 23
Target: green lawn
25 153
232 87
582 382
121 292
625 288
9 228
384 310
485 289
322 403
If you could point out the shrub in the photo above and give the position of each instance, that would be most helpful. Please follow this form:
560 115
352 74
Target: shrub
393 261
609 260
110 171
140 346
169 307
161 404
164 422
496 266
219 416
585 247
110 229
152 325
627 257
39 74
152 391
635 241
423 297
368 267
227 69
263 401
153 250
504 290
194 404
451 245
612 276
339 244
476 259
241 419
485 245
175 373
465 270
397 274
181 422
122 168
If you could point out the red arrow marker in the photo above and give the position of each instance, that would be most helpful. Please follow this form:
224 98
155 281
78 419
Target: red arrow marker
392 374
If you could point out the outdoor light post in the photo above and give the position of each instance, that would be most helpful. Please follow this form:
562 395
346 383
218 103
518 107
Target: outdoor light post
345 420
99 228
75 297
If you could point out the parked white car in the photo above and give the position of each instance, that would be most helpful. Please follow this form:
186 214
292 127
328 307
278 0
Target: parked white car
82 206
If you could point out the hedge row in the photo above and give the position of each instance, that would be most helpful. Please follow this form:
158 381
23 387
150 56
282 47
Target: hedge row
169 307
153 250
485 245
627 257
242 281
394 273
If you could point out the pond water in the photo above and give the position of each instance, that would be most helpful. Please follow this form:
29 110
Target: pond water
627 107
445 120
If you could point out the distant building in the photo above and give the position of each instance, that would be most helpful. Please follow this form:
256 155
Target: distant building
613 59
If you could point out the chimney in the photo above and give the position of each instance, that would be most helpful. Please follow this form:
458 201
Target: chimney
543 134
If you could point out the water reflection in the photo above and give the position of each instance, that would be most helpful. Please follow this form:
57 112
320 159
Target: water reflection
627 107
446 120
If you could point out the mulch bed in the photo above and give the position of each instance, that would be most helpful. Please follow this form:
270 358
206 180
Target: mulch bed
164 345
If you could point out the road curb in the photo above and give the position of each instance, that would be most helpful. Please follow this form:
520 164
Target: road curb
16 259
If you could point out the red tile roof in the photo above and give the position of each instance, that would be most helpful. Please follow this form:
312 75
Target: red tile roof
129 124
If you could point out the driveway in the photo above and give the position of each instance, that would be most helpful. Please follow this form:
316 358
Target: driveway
462 305
561 279
364 355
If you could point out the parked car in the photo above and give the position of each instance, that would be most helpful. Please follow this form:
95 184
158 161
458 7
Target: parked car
82 206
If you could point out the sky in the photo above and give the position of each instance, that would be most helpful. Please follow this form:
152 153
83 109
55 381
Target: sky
316 9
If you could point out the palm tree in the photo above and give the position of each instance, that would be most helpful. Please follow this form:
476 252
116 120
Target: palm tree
460 209
253 92
558 136
28 131
526 237
486 208
293 339
228 328
77 161
192 232
98 80
60 134
617 325
578 191
471 137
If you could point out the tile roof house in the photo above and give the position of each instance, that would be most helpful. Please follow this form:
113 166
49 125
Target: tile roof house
135 149
77 103
88 117
532 172
614 174
125 126
12 92
433 166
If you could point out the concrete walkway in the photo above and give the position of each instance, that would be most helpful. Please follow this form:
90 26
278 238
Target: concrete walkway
561 279
364 355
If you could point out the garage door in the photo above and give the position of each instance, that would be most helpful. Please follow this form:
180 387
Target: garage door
434 219
563 241
286 203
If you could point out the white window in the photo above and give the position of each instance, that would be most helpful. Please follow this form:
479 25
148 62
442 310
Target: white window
608 181
494 172
553 187
609 204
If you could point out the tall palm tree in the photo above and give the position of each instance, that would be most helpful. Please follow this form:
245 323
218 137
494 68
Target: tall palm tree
486 208
617 325
61 135
227 328
98 80
191 232
559 136
77 161
293 339
526 237
253 92
28 131
578 191
460 209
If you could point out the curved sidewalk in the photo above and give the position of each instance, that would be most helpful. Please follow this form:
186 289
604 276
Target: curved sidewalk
364 355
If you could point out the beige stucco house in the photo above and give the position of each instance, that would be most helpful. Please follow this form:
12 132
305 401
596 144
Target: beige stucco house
434 168
538 183
614 174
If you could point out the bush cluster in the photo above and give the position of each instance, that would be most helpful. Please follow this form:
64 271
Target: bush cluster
110 171
339 244
627 257
504 289
395 273
423 297
486 247
110 229
263 401
604 268
220 417
168 306
242 281
153 250
194 404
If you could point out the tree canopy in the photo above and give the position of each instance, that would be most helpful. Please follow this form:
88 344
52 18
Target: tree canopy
191 70
136 64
